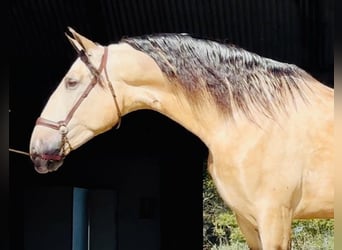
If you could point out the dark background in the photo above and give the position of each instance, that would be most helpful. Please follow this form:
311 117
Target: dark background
293 31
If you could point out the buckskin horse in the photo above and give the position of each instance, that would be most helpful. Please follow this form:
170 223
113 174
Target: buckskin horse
268 126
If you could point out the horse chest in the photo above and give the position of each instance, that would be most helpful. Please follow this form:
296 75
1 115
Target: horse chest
232 188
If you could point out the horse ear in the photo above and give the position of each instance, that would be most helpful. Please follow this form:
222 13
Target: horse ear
84 42
74 43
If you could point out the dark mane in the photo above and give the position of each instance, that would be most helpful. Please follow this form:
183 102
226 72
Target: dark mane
231 76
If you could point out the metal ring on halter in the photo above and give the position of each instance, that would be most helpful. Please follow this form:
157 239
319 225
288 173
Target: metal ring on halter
63 129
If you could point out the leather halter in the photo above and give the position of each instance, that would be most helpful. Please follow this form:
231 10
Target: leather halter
62 125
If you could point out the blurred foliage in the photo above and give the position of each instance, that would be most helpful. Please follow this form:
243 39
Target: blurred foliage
313 234
219 223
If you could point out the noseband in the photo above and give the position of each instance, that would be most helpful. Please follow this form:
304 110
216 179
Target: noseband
61 126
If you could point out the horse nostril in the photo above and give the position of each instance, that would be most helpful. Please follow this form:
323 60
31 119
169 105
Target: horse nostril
50 163
33 156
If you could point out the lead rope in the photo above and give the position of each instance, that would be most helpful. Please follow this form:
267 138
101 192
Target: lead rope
64 141
18 151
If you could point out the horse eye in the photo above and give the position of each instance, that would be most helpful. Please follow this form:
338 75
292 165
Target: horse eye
71 83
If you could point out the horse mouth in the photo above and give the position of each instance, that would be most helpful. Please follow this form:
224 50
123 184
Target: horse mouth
44 164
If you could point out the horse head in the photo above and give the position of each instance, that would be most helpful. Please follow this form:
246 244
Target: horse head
80 108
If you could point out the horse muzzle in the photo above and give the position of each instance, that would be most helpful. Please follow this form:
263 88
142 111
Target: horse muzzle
45 163
48 148
46 159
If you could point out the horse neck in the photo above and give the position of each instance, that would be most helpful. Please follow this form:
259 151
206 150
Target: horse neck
204 122
142 85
